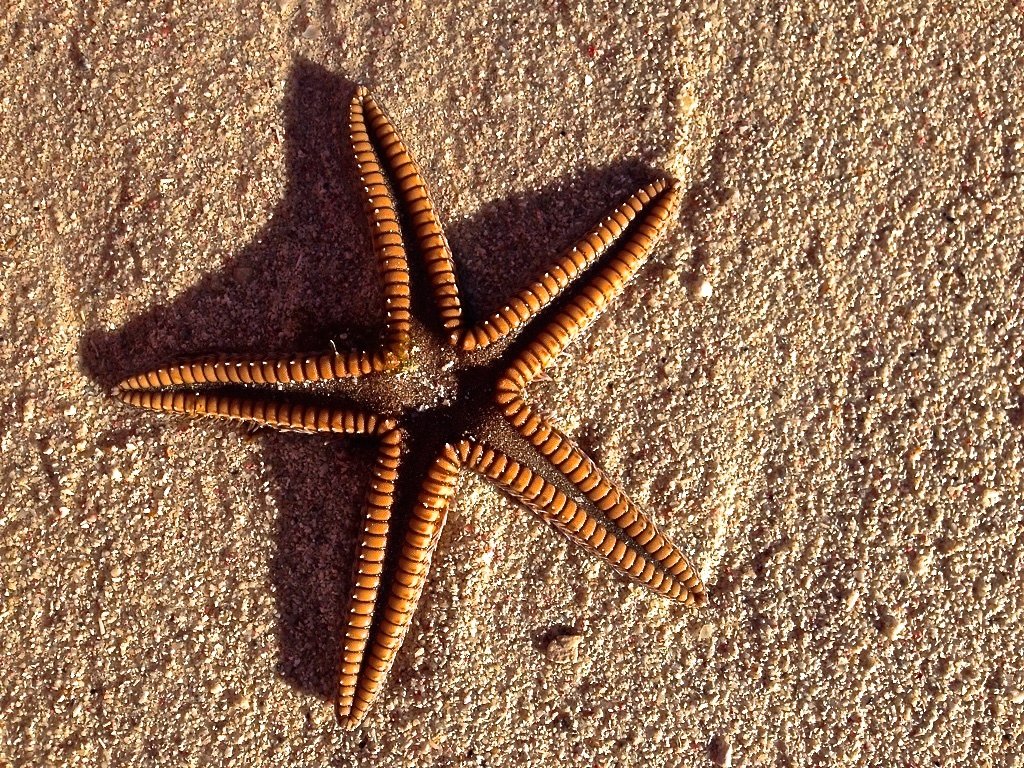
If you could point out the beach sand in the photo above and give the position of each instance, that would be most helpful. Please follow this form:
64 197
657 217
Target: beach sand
816 385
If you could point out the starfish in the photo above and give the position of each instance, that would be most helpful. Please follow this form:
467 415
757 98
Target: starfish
440 395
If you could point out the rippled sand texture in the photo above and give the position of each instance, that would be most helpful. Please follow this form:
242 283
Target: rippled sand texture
816 387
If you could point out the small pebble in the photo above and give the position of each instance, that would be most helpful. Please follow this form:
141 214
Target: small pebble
563 648
721 751
1016 695
704 289
687 104
919 563
980 588
990 497
892 626
850 599
947 545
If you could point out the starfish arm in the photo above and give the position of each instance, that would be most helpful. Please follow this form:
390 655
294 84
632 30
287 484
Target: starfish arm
235 369
590 480
398 604
589 299
261 411
418 209
627 550
365 135
369 570
652 205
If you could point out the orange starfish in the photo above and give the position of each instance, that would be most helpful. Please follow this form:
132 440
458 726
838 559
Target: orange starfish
450 393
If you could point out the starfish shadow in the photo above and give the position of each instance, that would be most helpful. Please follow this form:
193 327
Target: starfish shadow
307 276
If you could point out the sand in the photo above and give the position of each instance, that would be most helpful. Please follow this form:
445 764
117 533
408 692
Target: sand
817 385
